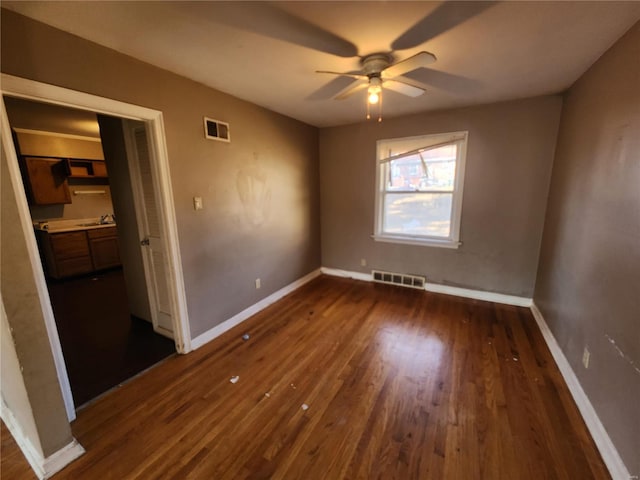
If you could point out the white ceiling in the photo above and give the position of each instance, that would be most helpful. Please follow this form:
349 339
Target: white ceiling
267 53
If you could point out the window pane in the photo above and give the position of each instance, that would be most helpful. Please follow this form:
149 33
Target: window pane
424 171
417 214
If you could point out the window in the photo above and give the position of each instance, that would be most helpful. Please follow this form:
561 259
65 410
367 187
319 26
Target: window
419 189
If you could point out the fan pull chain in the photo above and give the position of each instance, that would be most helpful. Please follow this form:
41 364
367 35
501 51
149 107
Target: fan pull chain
368 114
380 107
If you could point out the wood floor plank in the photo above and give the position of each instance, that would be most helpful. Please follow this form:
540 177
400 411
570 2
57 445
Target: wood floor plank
399 383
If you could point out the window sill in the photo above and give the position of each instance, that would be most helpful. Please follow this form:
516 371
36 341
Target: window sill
423 242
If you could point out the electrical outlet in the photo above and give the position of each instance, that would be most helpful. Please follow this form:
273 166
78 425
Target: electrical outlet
363 262
197 203
586 355
258 283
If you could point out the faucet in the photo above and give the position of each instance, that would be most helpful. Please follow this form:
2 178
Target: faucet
105 218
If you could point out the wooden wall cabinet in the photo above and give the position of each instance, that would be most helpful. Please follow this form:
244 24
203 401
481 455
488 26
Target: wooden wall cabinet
46 180
66 254
47 160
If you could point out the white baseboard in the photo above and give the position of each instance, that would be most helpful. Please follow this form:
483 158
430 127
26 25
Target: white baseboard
43 467
607 449
479 295
63 457
446 289
218 330
335 272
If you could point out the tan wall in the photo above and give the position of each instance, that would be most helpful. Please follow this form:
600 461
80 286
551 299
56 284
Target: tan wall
42 145
237 237
509 156
22 306
12 388
588 286
46 117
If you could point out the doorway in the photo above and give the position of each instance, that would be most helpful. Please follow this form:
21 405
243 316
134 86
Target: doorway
152 122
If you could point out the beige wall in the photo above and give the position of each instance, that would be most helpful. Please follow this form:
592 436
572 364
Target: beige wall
588 286
509 156
12 388
46 117
24 315
272 234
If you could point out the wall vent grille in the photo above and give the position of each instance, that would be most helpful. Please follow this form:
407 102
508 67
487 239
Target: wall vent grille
216 130
401 279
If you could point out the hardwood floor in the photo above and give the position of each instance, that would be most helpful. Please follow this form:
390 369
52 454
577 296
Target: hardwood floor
12 462
399 384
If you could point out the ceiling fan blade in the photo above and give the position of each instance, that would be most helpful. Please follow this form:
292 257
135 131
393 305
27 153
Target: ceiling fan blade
343 74
351 89
448 82
331 88
410 81
419 60
443 18
403 88
271 21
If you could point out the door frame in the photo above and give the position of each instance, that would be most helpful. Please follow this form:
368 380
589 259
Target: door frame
33 90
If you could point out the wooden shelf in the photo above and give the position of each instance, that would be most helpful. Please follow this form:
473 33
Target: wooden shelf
86 168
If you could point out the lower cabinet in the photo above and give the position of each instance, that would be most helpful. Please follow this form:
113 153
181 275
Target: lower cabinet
103 244
74 253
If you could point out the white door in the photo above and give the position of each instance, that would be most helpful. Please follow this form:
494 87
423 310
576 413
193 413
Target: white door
149 226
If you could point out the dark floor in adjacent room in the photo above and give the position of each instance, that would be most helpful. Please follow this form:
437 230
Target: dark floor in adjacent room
102 343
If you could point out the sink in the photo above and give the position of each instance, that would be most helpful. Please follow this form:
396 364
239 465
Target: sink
96 224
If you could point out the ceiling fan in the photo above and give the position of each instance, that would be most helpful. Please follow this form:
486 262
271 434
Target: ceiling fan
378 71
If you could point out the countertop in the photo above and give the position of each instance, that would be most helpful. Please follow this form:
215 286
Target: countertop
59 226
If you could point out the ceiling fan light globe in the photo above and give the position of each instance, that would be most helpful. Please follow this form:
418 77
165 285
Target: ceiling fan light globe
373 98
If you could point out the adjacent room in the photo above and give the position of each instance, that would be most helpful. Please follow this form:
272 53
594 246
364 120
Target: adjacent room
98 295
320 240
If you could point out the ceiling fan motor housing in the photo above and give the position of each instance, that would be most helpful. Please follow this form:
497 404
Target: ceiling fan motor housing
373 64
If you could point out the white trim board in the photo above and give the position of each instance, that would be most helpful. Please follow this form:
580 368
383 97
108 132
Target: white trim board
34 259
445 289
237 319
32 90
42 467
607 449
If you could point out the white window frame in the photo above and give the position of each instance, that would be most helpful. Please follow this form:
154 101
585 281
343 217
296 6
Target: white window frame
422 142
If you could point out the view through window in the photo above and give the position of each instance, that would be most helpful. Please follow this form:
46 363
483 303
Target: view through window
420 189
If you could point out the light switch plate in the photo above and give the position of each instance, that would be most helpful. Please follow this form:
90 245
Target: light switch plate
197 203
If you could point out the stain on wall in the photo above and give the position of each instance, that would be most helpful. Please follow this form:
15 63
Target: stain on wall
254 191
